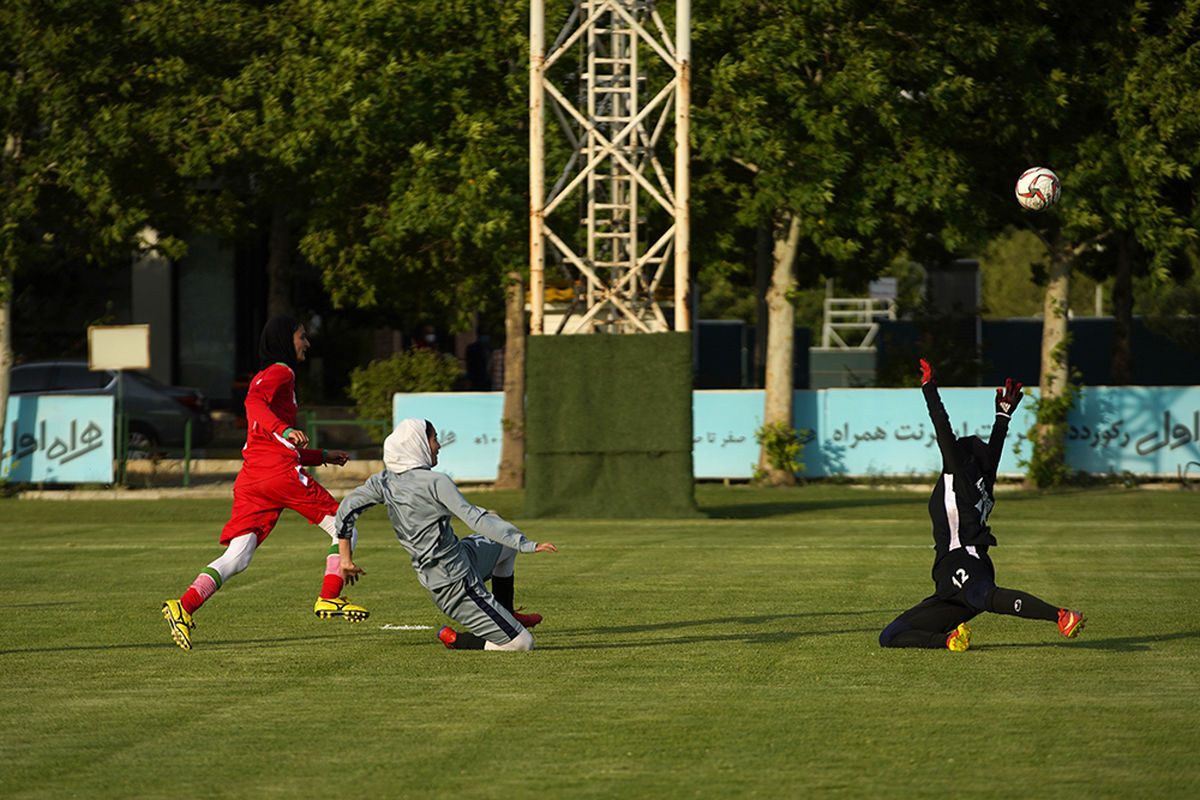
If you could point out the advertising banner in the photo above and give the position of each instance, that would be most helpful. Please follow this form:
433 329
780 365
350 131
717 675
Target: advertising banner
59 439
468 426
1142 430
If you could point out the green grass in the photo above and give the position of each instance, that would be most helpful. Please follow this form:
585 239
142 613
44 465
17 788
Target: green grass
729 656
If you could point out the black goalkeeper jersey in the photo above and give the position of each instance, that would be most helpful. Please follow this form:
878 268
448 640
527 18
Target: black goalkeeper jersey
962 499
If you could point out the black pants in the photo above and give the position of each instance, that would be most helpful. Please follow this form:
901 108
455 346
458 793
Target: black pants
962 582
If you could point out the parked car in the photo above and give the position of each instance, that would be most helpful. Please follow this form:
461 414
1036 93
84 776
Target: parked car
157 412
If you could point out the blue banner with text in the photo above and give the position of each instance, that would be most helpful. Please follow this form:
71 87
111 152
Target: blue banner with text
1147 431
58 439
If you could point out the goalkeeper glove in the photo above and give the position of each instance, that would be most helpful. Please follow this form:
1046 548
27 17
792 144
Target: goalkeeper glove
926 373
1008 398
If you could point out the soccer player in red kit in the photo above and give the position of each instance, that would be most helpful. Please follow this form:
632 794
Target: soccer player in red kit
271 479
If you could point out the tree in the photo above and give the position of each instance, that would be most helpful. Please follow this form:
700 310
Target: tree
828 110
1125 124
1158 131
384 144
413 205
423 210
86 96
429 214
373 140
902 129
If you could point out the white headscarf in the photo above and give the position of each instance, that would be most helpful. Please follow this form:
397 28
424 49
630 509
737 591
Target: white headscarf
407 447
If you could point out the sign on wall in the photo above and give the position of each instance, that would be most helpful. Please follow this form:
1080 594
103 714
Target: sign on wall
58 439
1142 430
468 426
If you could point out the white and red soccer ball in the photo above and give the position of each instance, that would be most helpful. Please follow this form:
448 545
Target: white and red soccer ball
1038 188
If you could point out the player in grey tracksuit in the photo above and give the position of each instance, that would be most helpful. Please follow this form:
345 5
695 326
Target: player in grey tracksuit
419 502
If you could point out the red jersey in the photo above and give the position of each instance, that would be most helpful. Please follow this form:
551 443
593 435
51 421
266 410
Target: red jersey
271 410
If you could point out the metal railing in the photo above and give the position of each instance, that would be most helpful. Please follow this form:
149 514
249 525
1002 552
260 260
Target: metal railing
310 423
123 450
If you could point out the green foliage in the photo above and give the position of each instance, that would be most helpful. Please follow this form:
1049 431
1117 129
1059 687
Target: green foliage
394 134
415 370
723 292
806 100
392 141
898 129
86 101
783 446
429 186
1012 272
1047 465
1173 309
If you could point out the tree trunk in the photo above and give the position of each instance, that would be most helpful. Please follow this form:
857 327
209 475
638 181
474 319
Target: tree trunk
279 261
781 333
5 357
1054 329
8 267
763 247
511 472
1122 358
1049 435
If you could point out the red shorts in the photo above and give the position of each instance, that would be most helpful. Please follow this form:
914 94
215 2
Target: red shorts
258 504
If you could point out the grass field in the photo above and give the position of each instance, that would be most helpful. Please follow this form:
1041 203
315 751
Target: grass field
729 656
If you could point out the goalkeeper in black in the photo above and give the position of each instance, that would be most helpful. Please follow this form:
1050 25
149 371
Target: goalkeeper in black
963 576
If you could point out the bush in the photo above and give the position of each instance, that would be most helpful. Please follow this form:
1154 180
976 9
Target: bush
784 448
416 370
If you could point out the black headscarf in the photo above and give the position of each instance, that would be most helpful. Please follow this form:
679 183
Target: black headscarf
976 448
277 343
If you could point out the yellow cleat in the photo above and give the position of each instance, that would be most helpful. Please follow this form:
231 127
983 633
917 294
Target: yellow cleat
959 638
329 607
181 623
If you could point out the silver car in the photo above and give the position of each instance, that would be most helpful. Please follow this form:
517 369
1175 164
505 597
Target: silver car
157 413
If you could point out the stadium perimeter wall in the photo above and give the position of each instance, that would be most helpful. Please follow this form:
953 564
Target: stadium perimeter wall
1145 431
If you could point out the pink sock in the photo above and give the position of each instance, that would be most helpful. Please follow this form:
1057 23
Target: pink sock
201 589
333 583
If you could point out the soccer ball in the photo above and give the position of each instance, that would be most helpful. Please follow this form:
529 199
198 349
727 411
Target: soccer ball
1038 188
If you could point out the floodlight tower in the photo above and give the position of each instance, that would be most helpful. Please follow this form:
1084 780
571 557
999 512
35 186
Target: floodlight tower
615 221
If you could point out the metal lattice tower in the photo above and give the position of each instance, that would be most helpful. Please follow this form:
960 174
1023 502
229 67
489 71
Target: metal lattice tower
609 251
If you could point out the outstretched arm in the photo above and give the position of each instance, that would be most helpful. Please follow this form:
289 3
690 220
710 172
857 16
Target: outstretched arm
354 504
480 520
1007 399
315 458
350 570
350 509
939 417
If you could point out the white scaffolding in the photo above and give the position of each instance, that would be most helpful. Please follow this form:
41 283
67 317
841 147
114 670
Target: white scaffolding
612 256
853 322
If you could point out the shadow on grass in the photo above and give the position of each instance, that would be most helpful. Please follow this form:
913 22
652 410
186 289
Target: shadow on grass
215 644
771 637
1124 644
600 638
778 508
